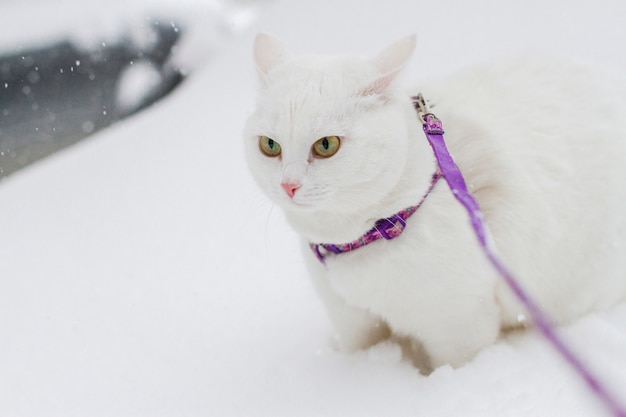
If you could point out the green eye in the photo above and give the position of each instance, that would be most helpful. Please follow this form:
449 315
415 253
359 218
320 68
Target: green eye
326 146
269 146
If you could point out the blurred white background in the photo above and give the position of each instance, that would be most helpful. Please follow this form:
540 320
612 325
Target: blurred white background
143 274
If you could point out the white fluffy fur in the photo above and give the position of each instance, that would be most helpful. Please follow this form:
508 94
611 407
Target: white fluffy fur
542 146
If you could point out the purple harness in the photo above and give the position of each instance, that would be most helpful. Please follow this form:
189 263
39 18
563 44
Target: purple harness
393 226
387 228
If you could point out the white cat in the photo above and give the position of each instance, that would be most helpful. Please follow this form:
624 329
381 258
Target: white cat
542 145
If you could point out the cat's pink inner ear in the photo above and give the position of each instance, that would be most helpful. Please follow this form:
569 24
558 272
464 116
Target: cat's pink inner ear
389 63
268 52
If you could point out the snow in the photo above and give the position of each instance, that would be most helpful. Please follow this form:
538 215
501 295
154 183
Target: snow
143 273
136 83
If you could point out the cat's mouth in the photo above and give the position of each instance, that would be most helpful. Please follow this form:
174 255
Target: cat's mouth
301 204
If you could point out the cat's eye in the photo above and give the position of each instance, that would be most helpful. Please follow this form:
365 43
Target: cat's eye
326 146
269 146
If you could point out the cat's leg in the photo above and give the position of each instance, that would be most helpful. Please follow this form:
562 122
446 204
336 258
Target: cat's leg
356 328
461 334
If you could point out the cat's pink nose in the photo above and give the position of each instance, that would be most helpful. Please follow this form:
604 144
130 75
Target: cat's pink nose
290 188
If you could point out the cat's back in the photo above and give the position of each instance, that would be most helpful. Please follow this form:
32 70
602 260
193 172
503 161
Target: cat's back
542 144
539 92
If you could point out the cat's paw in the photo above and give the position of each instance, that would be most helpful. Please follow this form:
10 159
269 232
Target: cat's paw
413 351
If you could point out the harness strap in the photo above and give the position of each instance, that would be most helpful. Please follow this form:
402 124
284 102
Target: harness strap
434 133
387 228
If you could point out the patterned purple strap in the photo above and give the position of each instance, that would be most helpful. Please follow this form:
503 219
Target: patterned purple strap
387 228
451 173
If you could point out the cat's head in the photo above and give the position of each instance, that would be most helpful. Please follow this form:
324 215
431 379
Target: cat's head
328 133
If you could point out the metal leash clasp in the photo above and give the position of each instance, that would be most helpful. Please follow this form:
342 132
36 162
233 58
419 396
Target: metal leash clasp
422 107
432 125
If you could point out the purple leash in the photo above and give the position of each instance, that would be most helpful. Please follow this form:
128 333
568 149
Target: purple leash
451 173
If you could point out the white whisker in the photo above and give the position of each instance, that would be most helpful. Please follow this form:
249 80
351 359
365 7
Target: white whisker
265 233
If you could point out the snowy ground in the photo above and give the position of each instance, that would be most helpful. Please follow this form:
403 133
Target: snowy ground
143 274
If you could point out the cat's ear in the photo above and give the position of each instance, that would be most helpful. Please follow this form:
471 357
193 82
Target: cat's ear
389 63
268 52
